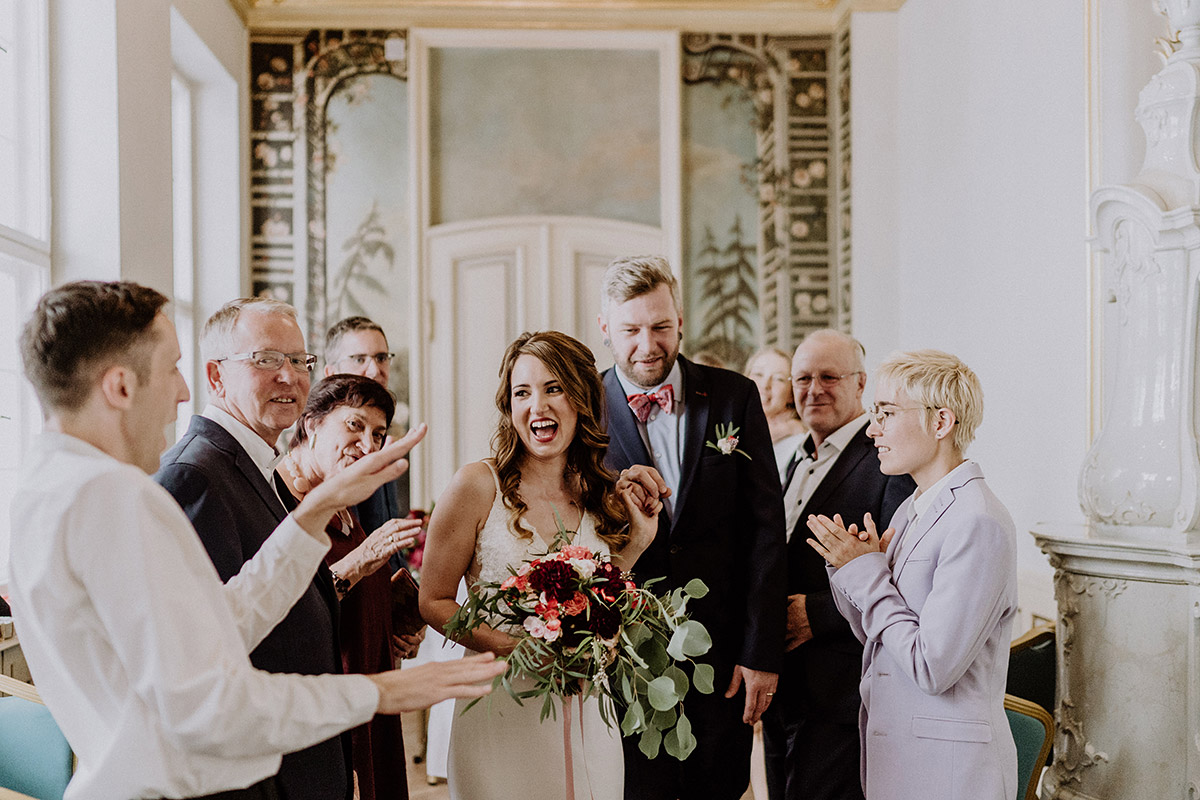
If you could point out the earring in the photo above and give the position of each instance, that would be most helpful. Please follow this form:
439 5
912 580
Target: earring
607 343
312 441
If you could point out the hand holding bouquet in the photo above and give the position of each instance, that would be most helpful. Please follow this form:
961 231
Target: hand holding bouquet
583 628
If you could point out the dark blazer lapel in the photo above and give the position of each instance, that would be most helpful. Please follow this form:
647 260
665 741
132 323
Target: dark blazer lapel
623 435
224 440
925 523
696 407
856 450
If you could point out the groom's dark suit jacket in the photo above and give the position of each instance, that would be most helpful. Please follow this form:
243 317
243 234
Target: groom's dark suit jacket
726 528
234 511
820 677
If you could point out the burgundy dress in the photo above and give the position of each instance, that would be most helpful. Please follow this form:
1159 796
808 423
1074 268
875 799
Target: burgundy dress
365 622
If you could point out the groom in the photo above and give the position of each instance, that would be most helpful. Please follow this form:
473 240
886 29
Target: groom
722 522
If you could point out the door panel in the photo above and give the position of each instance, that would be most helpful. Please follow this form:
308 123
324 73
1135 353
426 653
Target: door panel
491 280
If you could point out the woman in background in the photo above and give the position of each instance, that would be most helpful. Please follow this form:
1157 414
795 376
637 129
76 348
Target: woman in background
771 371
933 600
347 417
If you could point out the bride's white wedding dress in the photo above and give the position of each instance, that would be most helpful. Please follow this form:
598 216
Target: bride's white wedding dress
500 750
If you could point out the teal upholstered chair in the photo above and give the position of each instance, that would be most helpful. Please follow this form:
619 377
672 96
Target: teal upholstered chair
1033 731
35 758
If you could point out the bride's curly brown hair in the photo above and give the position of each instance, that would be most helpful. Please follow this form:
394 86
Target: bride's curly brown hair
572 363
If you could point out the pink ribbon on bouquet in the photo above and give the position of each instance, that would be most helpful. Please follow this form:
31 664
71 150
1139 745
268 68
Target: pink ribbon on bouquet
567 748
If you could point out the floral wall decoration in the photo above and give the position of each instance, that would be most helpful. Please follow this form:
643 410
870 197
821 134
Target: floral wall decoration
766 176
759 246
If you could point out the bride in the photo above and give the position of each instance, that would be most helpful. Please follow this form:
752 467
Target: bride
548 453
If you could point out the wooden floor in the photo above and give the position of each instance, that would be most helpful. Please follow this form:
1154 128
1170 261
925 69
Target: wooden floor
418 787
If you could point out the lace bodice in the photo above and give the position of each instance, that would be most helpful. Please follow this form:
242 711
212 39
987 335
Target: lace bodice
497 546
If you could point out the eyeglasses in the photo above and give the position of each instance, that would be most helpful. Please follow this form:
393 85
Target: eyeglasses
361 359
826 381
270 360
882 415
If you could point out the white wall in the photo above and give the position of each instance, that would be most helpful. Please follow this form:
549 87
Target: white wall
970 223
110 84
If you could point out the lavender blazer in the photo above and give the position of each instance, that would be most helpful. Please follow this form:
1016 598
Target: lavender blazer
935 615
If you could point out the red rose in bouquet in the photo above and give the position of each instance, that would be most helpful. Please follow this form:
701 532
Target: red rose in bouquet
584 628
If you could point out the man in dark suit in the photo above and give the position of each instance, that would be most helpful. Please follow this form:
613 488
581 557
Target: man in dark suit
358 346
222 474
721 522
811 732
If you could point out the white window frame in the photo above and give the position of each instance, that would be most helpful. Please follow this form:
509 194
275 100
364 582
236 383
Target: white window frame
25 245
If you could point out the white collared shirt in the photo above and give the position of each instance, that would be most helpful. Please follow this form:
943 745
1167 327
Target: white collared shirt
923 500
139 650
663 433
809 472
264 456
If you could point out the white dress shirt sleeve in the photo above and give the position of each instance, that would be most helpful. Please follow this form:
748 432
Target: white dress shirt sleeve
271 582
174 634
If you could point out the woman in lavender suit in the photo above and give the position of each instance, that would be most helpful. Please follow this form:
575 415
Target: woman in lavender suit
933 599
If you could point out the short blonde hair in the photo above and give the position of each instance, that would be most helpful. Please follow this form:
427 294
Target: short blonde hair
935 379
217 339
633 276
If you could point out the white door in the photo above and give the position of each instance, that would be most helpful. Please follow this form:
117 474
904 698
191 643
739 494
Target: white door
488 282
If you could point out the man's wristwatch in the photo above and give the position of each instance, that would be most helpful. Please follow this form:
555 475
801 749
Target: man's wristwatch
340 585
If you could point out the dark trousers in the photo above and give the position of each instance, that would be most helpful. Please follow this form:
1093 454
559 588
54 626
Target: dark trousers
719 767
263 790
811 759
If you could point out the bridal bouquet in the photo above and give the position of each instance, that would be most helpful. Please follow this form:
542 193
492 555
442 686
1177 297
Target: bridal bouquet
584 628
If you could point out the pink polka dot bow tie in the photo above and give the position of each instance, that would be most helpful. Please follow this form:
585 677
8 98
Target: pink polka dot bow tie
641 404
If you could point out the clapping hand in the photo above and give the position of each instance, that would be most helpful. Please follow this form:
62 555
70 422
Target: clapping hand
388 539
839 545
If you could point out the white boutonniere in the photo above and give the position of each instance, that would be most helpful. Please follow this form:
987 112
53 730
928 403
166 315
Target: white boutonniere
727 440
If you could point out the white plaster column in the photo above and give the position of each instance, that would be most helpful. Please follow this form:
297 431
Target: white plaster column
110 119
1127 581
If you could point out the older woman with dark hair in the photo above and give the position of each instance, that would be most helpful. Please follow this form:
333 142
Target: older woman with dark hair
347 417
548 461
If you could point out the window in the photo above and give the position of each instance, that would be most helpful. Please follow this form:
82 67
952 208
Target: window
183 214
24 233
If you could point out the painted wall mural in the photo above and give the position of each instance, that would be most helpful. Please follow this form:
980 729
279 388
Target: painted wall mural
588 146
759 107
721 286
766 170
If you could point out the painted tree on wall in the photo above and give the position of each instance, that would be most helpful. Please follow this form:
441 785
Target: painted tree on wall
368 245
729 286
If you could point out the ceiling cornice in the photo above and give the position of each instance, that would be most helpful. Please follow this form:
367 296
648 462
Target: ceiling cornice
790 16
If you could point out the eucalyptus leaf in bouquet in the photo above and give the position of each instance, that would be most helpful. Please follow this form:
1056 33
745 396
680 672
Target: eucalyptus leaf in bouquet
584 628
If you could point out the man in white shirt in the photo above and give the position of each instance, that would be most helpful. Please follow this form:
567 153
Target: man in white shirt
138 650
810 734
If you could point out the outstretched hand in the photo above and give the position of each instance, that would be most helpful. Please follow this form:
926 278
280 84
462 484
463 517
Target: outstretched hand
839 545
356 482
421 687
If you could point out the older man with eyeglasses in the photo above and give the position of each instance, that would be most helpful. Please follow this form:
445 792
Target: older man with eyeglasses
222 473
811 732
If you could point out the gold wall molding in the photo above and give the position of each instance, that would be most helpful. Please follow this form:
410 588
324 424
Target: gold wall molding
790 16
